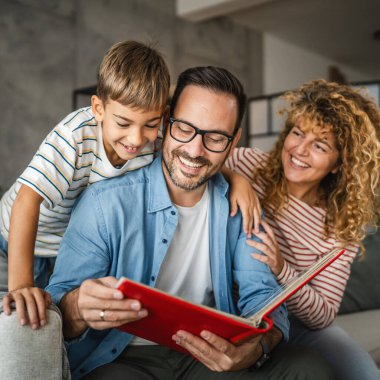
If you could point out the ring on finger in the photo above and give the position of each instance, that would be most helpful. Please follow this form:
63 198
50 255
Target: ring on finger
101 314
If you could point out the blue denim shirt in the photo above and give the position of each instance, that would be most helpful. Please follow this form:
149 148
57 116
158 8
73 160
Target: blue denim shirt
124 226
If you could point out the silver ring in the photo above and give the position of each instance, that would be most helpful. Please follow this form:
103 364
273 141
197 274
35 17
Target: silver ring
101 314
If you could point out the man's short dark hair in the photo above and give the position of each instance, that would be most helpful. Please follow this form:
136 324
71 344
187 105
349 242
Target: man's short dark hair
215 79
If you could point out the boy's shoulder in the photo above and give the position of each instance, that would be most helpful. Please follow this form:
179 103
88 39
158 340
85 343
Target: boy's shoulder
78 120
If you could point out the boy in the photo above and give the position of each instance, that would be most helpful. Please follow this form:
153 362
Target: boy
115 135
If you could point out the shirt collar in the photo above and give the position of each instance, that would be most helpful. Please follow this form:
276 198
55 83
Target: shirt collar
159 197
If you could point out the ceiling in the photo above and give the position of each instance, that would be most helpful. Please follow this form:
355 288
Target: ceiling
341 30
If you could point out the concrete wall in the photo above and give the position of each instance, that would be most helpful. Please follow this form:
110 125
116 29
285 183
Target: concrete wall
36 76
50 47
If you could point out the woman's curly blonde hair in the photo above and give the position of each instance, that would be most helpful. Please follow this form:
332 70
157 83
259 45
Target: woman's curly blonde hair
349 195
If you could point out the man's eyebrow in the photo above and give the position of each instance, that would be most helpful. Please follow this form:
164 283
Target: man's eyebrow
130 121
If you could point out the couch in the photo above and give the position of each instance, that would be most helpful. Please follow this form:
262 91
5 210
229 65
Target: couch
359 313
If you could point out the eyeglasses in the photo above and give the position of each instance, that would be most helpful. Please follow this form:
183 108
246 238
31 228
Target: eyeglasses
184 132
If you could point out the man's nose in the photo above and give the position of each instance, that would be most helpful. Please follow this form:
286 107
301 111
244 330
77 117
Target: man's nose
195 147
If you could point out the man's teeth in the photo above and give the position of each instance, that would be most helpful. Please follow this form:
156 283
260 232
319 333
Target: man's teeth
188 163
299 163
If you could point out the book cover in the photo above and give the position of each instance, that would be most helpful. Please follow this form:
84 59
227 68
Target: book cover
167 313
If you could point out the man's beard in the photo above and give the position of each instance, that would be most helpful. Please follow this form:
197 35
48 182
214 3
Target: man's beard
180 182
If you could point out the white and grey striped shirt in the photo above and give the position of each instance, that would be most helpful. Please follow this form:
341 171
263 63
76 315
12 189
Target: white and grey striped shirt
71 158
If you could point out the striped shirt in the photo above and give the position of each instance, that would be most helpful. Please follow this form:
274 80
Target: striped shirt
299 229
71 158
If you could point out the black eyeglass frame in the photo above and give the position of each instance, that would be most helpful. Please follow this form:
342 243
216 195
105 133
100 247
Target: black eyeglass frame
202 133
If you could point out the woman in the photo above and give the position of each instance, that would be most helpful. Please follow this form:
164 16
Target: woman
317 188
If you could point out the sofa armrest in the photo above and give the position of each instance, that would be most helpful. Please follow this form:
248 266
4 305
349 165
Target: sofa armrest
32 354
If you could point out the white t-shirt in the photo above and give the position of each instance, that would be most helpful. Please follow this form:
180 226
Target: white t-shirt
185 271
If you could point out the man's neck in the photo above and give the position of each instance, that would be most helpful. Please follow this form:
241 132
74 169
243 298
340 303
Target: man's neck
182 197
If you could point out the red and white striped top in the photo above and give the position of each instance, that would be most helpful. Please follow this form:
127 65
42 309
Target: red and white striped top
299 229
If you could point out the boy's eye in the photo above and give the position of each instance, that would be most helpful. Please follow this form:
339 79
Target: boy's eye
152 126
123 125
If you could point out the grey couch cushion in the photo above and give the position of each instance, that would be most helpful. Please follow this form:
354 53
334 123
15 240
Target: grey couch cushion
363 288
32 354
363 326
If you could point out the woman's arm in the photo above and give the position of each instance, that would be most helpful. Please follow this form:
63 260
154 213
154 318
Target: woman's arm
243 196
317 303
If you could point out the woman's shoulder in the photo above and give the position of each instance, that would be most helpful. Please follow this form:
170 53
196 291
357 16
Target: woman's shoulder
247 157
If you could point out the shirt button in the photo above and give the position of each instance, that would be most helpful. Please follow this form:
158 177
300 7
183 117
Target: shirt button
172 212
164 241
152 278
114 350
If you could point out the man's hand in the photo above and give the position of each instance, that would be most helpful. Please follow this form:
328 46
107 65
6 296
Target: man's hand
31 304
99 305
217 353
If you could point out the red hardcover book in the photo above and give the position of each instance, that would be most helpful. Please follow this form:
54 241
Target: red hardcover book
167 314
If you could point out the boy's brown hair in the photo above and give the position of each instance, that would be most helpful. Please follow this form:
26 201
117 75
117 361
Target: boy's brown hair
134 74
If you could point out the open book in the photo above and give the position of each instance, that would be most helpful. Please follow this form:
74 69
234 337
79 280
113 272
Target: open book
167 314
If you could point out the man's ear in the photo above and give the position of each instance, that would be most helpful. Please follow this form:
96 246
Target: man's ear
97 107
235 141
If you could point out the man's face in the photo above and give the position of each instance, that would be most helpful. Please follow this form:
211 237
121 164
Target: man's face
189 165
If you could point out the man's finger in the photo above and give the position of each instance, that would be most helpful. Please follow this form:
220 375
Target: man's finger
218 343
197 347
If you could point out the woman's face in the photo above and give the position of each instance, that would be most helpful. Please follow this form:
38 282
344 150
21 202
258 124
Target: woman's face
308 155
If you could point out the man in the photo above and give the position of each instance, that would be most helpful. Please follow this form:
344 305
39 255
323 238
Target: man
168 226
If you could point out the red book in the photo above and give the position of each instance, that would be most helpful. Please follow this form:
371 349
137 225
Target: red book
167 314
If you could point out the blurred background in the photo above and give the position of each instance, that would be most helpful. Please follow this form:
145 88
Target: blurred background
50 51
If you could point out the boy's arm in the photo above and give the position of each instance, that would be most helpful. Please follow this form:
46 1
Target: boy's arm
30 302
242 195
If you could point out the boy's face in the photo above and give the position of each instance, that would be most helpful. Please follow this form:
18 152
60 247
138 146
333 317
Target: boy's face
126 130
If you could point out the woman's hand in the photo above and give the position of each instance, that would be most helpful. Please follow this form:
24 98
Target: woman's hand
269 247
31 304
244 197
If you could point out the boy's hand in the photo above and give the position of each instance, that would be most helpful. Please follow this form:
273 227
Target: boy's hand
242 195
31 304
217 353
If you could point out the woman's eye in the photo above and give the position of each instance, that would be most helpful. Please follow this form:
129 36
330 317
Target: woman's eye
152 126
123 125
320 147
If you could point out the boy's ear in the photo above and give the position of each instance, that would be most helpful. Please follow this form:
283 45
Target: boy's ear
97 107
